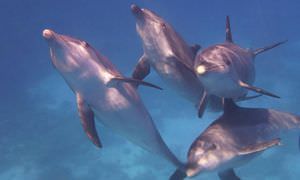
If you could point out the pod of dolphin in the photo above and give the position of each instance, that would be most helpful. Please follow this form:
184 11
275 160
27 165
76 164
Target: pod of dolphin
214 78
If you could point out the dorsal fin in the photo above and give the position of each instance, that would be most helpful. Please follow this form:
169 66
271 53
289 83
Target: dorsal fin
229 105
228 30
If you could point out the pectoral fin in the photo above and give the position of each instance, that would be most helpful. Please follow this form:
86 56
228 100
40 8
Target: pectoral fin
228 174
259 147
142 69
256 89
87 120
115 80
202 104
248 98
266 48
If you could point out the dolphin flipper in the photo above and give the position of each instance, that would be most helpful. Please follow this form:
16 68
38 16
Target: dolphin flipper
135 82
259 147
228 174
263 49
87 120
142 69
248 98
202 104
256 89
178 175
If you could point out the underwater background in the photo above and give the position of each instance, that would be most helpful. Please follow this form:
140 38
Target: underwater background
41 137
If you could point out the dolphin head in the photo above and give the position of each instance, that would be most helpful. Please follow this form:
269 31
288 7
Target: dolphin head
201 158
67 53
146 18
152 29
215 69
76 58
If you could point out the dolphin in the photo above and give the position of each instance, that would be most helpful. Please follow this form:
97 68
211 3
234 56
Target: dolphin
235 138
227 70
169 55
103 93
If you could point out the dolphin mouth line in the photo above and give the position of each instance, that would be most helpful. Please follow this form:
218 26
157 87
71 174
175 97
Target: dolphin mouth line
137 11
51 35
47 33
214 68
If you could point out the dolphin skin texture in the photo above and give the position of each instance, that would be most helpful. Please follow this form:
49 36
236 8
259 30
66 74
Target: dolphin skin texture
235 138
103 93
168 54
227 70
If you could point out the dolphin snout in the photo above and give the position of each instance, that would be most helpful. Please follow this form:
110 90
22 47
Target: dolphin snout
48 34
137 11
201 69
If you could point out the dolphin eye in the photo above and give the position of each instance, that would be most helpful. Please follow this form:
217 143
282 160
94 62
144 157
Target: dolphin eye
163 25
85 44
206 146
210 146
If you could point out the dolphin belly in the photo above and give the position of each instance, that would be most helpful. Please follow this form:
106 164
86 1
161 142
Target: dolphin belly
121 110
224 86
179 79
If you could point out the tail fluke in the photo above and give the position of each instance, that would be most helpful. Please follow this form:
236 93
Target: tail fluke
178 175
263 49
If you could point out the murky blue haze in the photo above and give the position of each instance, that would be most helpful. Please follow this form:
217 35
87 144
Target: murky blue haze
41 137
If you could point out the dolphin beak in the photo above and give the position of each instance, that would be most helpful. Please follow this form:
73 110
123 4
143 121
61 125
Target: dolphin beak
48 34
200 69
191 172
136 11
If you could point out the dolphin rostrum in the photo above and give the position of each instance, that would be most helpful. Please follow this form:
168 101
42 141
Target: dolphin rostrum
170 56
227 70
103 92
235 138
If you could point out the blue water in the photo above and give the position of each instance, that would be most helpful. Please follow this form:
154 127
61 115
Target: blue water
41 137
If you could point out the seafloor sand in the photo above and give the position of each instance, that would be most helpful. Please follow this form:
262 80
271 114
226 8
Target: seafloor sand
50 142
